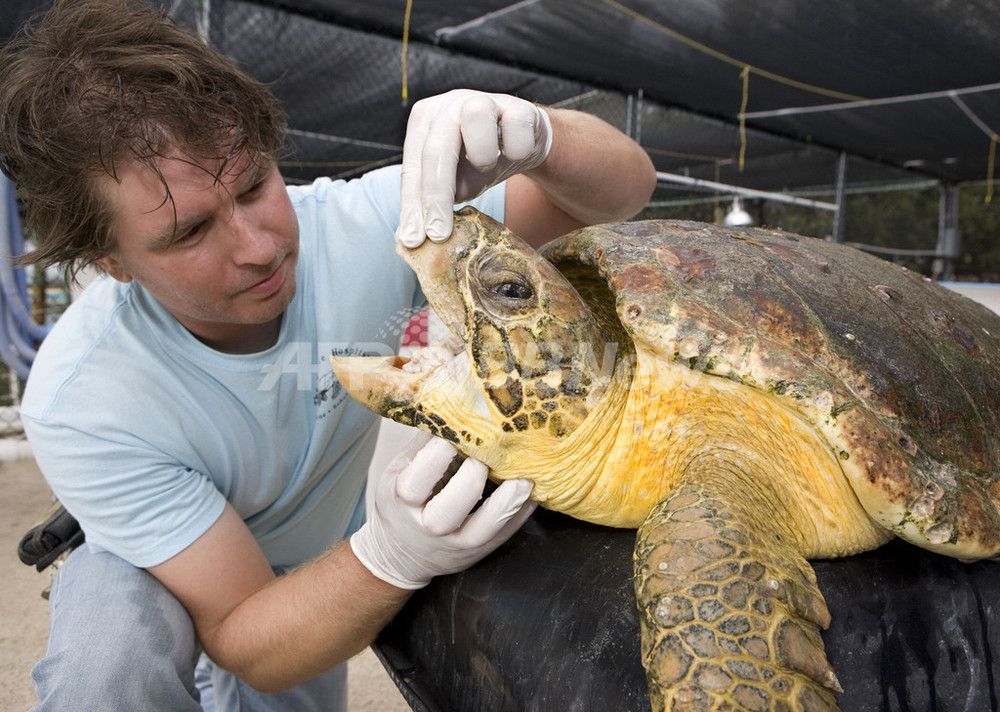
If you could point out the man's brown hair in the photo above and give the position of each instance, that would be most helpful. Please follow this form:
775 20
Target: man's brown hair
92 85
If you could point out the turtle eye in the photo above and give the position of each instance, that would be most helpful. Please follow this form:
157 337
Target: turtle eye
514 290
502 285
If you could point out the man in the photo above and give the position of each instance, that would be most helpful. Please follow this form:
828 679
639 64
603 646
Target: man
182 409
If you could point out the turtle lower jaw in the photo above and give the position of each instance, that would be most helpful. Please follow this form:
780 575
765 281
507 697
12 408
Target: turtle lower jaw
380 383
389 384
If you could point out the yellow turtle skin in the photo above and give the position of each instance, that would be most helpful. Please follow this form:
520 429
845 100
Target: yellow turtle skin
747 399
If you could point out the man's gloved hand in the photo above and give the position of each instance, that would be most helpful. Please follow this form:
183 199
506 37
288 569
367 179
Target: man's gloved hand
412 537
459 144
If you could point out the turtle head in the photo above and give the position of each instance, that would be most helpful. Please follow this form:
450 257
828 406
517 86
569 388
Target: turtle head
533 363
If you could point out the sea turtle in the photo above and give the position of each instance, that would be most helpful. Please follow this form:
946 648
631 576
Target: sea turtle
749 399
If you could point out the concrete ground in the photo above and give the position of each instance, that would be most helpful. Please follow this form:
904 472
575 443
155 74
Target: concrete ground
24 618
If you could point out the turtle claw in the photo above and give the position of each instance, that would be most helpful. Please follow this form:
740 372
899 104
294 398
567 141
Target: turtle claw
730 619
802 650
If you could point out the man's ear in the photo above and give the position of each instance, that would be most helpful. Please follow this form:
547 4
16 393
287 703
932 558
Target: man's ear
114 267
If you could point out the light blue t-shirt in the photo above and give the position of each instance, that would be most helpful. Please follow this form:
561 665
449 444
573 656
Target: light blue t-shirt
143 432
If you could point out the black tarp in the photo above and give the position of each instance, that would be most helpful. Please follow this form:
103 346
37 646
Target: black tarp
549 622
667 71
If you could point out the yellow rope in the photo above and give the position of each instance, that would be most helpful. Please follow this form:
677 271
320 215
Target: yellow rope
406 42
745 76
747 69
974 118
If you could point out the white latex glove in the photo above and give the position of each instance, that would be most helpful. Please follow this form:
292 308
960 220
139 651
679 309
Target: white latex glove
409 540
459 144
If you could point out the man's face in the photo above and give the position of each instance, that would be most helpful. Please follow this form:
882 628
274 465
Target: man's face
228 271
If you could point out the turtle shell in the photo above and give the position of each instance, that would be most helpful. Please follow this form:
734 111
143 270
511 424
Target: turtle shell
901 375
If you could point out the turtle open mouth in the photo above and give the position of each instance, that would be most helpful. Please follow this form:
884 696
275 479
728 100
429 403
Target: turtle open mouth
429 357
387 383
392 386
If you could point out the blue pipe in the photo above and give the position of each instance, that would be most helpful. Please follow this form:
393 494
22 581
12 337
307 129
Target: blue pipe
18 332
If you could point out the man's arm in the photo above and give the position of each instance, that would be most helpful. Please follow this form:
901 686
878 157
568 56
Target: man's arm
564 168
276 632
593 174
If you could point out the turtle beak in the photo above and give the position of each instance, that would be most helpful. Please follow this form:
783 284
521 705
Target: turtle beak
377 382
418 398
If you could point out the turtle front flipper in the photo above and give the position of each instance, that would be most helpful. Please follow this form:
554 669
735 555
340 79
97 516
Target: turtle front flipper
729 608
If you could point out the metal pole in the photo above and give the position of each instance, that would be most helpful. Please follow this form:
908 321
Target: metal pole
638 117
948 237
203 23
838 214
746 192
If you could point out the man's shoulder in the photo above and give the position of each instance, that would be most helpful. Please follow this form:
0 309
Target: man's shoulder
385 179
89 342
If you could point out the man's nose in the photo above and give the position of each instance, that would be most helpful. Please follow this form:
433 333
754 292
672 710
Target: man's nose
251 243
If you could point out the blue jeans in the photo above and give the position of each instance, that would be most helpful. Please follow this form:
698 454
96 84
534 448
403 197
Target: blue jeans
120 641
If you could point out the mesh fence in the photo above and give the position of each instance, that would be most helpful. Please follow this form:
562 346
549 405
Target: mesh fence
348 91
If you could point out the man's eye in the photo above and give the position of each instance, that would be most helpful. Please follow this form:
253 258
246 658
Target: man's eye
256 187
189 234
